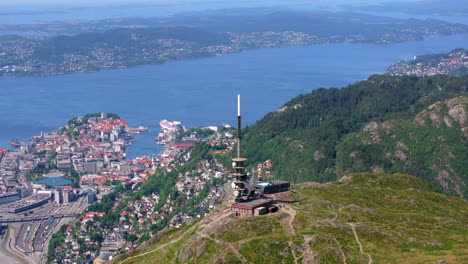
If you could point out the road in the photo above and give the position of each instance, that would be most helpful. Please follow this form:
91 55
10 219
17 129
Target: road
29 245
32 234
7 256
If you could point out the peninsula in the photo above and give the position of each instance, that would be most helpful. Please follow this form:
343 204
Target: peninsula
115 203
90 147
87 46
453 63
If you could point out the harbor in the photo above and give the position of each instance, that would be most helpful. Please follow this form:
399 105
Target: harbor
58 160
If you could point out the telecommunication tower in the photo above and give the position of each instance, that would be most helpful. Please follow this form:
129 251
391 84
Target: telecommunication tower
243 191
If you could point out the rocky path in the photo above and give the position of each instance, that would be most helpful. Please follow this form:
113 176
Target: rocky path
361 249
175 240
289 221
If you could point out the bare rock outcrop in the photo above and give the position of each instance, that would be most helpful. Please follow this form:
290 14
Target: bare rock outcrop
375 131
448 113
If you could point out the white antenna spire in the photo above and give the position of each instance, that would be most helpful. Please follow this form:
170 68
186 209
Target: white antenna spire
238 105
239 127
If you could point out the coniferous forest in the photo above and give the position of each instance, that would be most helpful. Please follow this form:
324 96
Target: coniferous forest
316 136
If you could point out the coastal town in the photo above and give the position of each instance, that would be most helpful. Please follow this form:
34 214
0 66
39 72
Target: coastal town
89 46
454 63
91 144
182 187
21 58
109 204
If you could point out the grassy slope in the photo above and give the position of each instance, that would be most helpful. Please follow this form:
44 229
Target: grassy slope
396 218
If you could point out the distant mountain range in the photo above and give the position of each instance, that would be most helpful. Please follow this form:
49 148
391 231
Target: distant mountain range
428 7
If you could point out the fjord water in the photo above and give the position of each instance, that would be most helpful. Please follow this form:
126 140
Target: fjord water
197 92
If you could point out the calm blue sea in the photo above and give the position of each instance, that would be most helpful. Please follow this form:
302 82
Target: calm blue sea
197 92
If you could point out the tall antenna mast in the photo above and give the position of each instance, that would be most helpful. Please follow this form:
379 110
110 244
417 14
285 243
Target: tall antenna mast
239 127
242 189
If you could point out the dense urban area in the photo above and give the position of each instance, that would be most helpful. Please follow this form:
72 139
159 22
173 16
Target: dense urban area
117 203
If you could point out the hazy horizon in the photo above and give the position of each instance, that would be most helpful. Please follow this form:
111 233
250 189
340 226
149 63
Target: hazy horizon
80 3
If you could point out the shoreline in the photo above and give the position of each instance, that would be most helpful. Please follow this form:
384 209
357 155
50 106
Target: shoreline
20 74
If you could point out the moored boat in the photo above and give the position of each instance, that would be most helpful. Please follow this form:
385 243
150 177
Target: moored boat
15 143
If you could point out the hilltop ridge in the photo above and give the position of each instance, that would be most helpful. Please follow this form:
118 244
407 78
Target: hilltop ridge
362 218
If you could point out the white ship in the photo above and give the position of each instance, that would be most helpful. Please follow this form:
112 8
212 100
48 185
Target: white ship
170 126
169 131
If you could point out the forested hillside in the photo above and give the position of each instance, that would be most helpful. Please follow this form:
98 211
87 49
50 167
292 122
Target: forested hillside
303 137
433 145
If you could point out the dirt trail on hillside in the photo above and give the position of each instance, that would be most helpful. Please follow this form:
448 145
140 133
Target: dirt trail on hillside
289 222
308 256
216 221
361 249
175 240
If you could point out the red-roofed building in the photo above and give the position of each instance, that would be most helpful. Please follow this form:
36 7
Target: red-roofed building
249 208
183 145
86 219
92 214
124 213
